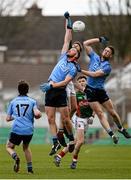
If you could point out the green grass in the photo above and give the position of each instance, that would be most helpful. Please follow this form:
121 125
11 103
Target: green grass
95 162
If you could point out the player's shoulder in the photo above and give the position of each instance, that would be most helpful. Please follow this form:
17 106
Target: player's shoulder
107 63
94 55
22 98
31 99
13 100
62 56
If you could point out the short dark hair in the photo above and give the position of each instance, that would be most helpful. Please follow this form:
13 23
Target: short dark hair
23 87
79 43
81 77
112 49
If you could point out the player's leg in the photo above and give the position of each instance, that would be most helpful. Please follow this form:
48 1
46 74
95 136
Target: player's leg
108 105
60 134
65 116
103 120
63 152
72 105
71 94
53 100
95 97
60 155
28 156
79 137
27 152
10 148
50 111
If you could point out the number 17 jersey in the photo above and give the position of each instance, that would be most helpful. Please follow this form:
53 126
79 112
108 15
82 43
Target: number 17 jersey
21 109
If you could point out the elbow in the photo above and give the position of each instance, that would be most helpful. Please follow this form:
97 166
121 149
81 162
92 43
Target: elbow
86 43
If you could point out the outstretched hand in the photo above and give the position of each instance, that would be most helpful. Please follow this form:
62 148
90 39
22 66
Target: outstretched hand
104 39
69 21
66 14
45 87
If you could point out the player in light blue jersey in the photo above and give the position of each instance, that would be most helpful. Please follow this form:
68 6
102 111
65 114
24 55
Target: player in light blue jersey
56 95
98 70
22 110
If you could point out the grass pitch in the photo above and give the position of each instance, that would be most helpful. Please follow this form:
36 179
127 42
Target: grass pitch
95 162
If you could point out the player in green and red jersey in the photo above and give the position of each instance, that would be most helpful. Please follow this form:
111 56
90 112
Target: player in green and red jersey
81 119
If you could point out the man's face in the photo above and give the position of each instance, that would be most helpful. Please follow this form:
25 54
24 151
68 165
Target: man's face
82 82
107 53
72 53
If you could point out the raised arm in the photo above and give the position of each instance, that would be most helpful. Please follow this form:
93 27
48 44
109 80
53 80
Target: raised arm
68 33
87 44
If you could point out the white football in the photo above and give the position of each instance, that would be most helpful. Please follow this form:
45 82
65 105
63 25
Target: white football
78 26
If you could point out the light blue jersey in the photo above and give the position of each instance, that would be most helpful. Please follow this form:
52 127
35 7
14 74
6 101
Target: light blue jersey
94 65
62 69
21 109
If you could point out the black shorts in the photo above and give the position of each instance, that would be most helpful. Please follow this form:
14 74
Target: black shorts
93 95
56 97
17 139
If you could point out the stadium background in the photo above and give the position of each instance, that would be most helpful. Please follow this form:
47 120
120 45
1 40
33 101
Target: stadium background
29 47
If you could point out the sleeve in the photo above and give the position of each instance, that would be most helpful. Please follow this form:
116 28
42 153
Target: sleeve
73 72
9 109
35 106
106 69
92 54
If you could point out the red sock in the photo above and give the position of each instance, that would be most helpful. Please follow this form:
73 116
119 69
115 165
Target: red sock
75 157
62 154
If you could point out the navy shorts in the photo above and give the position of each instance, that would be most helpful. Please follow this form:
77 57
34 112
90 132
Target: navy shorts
93 95
17 139
56 97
